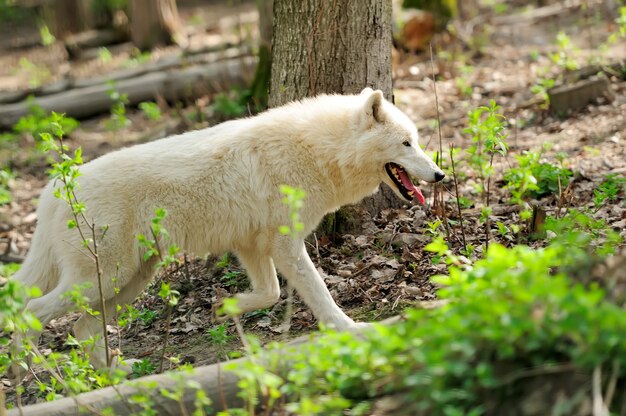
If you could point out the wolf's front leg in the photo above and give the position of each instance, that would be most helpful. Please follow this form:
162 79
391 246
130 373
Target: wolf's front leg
294 263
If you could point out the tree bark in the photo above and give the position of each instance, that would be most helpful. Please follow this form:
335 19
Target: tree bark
153 22
333 47
65 17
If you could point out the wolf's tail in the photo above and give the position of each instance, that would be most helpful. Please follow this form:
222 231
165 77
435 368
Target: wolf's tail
40 268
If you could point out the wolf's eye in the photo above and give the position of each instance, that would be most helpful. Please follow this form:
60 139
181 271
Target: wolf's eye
407 143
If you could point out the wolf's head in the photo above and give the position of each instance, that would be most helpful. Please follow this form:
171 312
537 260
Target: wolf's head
387 137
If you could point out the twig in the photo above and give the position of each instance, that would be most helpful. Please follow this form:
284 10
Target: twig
458 202
610 388
101 293
487 200
599 408
439 159
72 200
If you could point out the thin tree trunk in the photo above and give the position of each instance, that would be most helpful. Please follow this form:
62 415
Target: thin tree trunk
339 46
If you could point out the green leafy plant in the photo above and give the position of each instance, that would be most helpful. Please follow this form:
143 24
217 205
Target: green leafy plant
38 121
153 248
47 38
563 55
609 190
230 104
455 359
6 176
151 110
37 75
534 178
294 199
118 119
487 129
541 88
105 55
142 368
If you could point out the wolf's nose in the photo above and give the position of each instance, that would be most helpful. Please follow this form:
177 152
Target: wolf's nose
439 176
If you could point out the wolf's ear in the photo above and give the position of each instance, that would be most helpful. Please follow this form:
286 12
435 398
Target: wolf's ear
367 91
374 104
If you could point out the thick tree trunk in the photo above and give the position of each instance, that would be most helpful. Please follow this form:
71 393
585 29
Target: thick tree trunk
333 47
153 22
323 47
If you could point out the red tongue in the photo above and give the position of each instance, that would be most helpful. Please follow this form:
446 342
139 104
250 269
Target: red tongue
406 181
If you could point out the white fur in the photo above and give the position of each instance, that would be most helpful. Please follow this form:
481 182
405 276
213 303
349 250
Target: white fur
220 187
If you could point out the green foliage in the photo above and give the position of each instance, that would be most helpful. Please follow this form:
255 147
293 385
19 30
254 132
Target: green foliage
151 245
129 314
47 38
151 110
142 368
105 55
506 313
535 179
579 234
118 118
563 56
10 12
9 269
6 176
38 121
463 85
487 128
13 317
218 335
541 88
620 22
37 75
294 199
608 190
230 104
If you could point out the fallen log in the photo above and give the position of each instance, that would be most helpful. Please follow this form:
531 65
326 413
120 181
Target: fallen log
76 43
172 85
219 385
164 64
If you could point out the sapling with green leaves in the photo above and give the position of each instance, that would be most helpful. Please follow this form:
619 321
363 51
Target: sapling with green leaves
488 130
118 119
152 248
71 373
65 175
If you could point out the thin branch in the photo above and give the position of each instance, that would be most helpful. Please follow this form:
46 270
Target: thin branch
458 201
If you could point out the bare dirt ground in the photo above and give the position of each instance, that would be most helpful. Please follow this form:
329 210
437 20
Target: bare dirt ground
384 269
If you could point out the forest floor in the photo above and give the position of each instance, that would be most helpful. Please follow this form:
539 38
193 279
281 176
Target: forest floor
384 268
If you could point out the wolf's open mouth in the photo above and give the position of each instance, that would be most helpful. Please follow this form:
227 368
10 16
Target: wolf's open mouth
401 179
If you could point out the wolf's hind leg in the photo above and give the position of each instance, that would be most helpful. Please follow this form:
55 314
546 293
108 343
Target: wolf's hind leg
89 326
262 275
295 264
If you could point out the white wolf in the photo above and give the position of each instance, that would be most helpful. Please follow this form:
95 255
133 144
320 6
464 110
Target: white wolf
220 187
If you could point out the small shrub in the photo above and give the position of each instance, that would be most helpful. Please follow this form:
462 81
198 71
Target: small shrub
230 104
118 119
6 176
535 179
608 190
151 110
142 368
38 121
